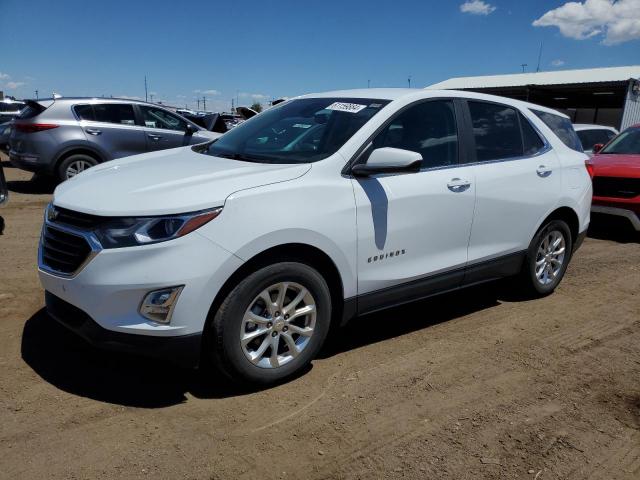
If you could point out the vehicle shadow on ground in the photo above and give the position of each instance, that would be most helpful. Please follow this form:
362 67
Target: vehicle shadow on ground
37 185
616 229
67 362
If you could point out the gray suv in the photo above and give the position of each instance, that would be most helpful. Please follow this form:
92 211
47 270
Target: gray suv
64 136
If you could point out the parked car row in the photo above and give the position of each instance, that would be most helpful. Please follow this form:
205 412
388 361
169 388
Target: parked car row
65 136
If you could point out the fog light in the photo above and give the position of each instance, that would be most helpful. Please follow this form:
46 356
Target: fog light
158 305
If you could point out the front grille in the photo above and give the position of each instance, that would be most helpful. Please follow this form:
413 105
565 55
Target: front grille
63 252
616 187
77 219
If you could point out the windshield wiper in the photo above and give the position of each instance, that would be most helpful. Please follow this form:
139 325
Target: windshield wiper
238 156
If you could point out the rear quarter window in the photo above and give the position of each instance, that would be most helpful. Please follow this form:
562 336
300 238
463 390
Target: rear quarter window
562 127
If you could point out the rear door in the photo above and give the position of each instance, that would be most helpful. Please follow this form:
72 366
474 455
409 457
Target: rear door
518 180
164 129
111 128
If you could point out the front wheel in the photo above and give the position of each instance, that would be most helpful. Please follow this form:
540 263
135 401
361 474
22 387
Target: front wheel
547 258
272 324
75 164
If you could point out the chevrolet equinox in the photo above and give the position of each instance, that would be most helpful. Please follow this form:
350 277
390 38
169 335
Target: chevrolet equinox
245 250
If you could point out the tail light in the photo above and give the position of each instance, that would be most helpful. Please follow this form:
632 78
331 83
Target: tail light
34 127
590 168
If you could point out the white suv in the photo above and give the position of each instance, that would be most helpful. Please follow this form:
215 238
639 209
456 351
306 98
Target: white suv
244 251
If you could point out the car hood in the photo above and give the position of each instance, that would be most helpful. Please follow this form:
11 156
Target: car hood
166 182
616 165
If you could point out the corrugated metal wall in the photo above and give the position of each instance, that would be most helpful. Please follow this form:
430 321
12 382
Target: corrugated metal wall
631 113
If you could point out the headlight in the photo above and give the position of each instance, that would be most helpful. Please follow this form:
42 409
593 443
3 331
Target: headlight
128 232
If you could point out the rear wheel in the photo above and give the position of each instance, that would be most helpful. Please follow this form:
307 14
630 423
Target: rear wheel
272 324
547 258
75 164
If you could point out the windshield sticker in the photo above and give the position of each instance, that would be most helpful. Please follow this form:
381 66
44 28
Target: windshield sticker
375 105
301 125
346 107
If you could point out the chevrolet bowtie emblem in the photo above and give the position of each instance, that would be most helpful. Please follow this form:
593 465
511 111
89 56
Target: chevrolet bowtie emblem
52 214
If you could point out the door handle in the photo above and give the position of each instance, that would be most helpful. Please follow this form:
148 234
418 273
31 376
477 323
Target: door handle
458 185
93 131
544 171
154 137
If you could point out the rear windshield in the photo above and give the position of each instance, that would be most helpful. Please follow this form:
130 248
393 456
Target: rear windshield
31 110
562 127
589 138
299 131
627 143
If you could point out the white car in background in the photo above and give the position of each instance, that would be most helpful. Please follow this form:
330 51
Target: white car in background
245 250
591 135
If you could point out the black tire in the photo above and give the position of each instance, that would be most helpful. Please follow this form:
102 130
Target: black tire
529 280
225 324
64 165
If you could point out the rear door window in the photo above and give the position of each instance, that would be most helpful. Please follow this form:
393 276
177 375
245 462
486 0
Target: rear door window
496 130
119 113
531 140
589 138
562 127
84 112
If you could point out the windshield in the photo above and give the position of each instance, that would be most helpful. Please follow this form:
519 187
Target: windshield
300 131
628 142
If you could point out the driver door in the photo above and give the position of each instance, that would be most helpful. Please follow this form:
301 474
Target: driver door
413 228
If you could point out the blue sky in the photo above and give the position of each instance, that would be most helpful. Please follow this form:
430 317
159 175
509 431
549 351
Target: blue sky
262 49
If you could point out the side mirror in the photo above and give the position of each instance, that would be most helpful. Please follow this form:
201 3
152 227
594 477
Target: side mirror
597 147
190 129
389 160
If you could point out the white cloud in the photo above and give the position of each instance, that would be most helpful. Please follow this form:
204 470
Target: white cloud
14 85
617 21
4 76
477 7
558 63
207 92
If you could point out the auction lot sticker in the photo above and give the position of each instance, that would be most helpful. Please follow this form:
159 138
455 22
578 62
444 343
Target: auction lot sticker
346 107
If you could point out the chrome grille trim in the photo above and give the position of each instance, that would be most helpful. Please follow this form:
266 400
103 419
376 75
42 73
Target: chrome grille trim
48 234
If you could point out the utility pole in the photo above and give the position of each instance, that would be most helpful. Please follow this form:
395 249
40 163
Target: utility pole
540 56
151 96
204 103
145 89
198 100
368 83
36 94
409 81
232 106
523 65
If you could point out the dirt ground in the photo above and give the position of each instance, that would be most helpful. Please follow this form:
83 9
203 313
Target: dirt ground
476 384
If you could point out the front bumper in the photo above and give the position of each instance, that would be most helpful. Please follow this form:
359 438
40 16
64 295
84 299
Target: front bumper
183 350
632 215
110 287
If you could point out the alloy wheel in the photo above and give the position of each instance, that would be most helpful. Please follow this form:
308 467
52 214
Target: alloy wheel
550 257
76 167
278 325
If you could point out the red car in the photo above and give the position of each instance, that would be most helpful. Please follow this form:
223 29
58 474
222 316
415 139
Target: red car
615 170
